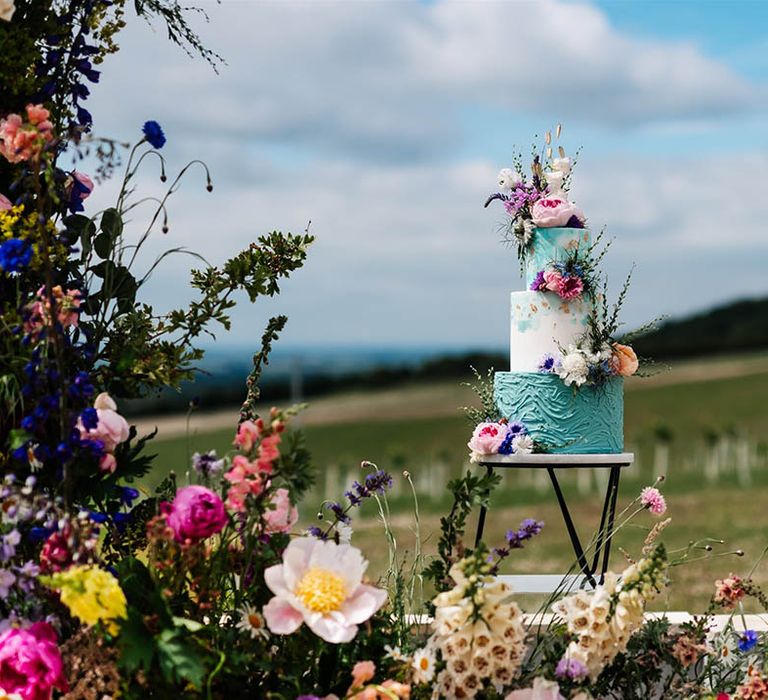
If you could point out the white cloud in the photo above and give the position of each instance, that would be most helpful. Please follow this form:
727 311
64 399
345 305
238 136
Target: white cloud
385 80
346 114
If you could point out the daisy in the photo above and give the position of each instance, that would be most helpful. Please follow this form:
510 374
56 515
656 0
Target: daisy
252 622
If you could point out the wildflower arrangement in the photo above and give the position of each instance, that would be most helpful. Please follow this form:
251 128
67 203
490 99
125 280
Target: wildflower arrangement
209 588
539 199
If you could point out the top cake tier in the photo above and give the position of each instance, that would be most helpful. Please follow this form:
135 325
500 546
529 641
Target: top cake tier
550 245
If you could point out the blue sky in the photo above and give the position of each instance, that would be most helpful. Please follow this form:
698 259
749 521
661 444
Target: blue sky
386 122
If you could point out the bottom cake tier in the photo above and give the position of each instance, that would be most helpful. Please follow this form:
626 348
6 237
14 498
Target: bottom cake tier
568 420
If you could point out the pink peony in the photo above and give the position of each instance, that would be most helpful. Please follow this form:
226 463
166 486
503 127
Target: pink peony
487 438
283 516
5 203
551 212
624 360
30 662
196 513
652 499
552 280
320 584
570 287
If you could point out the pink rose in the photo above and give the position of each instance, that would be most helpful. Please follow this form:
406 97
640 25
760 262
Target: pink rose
85 181
5 203
196 513
30 662
487 438
283 516
551 212
624 360
552 280
570 287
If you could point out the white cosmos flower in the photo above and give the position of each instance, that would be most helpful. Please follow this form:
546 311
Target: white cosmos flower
508 178
320 584
423 665
7 8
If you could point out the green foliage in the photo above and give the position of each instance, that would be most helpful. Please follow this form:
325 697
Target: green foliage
469 493
260 360
483 387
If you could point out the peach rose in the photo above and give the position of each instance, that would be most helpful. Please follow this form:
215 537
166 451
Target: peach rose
624 360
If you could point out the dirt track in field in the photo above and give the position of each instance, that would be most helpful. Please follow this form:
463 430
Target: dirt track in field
435 400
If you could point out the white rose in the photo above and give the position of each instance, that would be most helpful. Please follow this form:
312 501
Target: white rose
7 8
507 177
555 180
522 445
562 165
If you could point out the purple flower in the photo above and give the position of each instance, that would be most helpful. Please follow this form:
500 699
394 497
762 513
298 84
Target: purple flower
207 463
747 640
572 669
528 529
7 579
538 283
517 428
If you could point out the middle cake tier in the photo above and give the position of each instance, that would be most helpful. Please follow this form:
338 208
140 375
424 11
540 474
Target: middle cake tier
542 323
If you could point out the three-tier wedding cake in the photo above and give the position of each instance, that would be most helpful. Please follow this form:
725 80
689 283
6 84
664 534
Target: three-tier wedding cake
564 391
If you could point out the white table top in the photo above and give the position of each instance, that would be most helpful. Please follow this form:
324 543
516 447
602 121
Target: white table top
621 459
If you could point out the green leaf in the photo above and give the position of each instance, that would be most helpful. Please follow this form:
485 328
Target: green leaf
112 224
178 661
137 646
104 269
191 625
18 437
103 245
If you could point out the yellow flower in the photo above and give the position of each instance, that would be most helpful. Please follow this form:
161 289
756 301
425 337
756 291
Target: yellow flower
92 595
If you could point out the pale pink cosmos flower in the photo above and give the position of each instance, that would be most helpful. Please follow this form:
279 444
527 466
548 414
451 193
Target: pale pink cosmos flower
283 516
652 499
320 584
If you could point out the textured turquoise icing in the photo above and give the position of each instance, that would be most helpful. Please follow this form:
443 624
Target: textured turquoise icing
551 244
588 420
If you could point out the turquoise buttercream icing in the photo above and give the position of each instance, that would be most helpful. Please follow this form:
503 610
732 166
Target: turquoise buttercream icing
551 244
587 420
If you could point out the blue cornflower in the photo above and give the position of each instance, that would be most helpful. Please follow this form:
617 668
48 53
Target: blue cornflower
547 364
90 418
153 132
747 640
127 495
506 446
517 428
15 255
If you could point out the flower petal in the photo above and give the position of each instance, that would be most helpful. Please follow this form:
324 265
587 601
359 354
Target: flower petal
274 577
296 559
333 628
365 601
281 617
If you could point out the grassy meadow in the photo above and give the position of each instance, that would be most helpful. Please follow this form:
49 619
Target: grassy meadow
708 436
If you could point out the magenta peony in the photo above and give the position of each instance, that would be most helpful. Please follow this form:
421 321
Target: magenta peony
487 438
30 662
196 513
551 212
570 287
283 515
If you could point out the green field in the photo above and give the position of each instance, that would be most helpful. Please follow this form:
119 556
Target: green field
719 422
